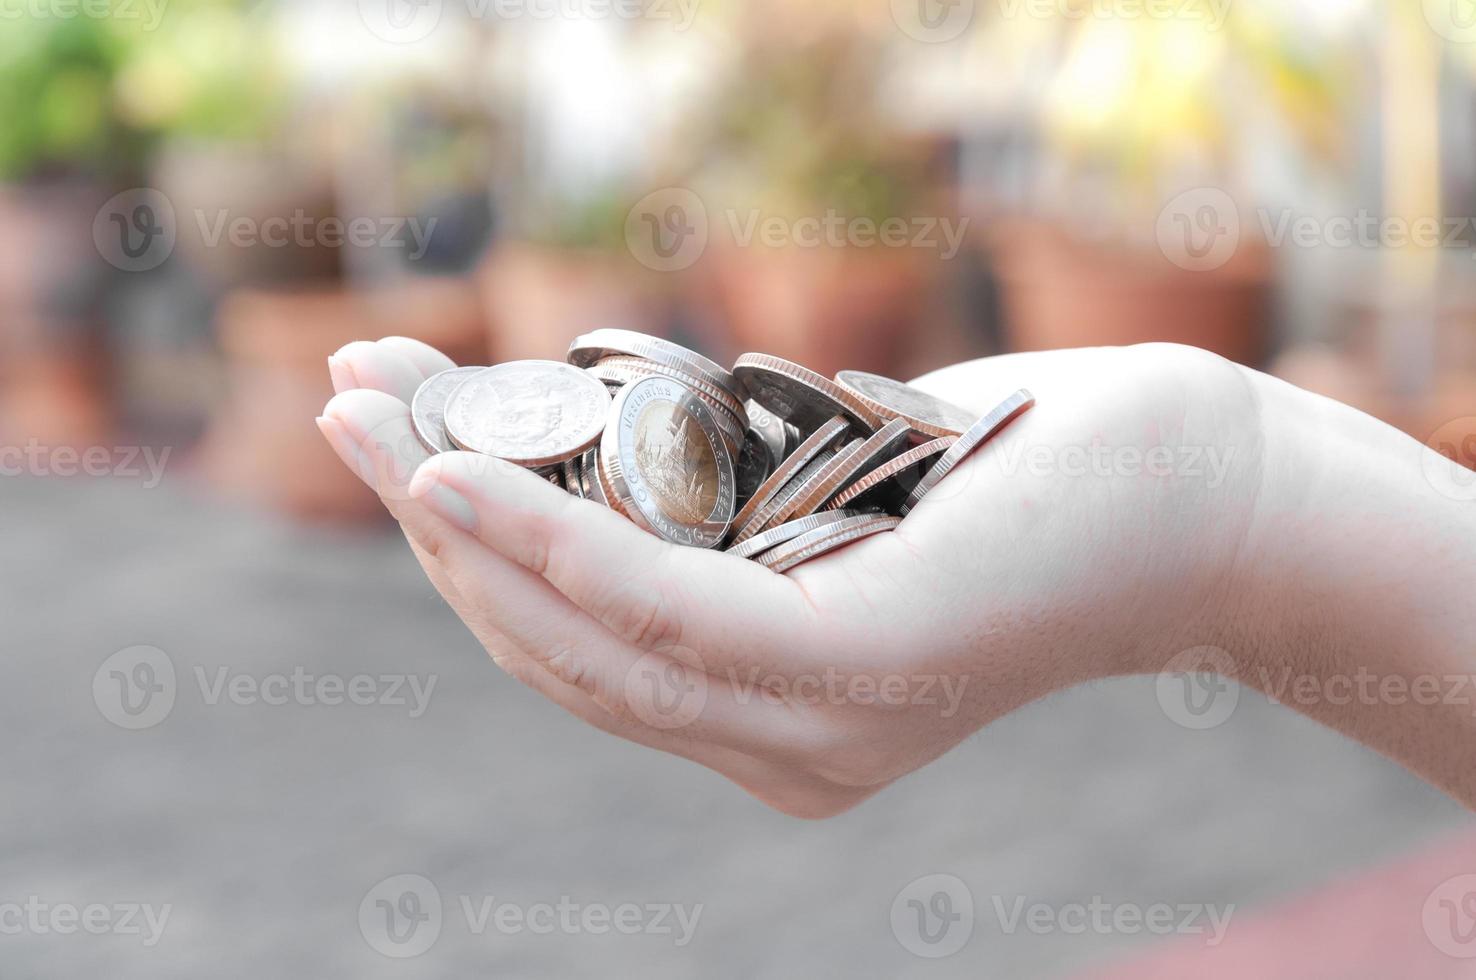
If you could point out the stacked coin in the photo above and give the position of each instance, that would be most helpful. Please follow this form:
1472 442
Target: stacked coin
771 461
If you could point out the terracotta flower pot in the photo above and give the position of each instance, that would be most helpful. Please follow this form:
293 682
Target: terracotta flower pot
211 186
1061 292
539 298
52 370
829 309
262 445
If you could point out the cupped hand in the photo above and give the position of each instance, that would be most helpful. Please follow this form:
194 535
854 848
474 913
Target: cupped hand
1100 533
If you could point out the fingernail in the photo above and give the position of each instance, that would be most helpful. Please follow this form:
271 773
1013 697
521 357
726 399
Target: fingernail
443 501
346 447
342 374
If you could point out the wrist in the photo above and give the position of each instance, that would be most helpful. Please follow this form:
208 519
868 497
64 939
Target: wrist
1352 597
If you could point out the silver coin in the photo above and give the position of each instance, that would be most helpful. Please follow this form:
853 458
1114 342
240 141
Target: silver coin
665 459
428 407
755 463
930 417
792 437
771 429
595 346
589 473
784 532
763 517
824 540
819 442
533 413
574 476
978 434
799 395
887 486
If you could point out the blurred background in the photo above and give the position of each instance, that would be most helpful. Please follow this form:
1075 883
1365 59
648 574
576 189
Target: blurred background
200 200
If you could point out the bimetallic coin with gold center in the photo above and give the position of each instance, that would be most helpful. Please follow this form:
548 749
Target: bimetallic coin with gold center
666 464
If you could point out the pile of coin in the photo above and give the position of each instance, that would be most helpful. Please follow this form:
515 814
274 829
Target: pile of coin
770 461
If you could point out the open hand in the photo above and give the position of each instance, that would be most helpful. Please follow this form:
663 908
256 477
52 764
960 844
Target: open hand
1097 535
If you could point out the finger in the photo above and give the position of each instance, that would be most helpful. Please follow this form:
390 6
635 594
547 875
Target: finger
368 365
371 430
427 360
372 433
783 785
651 688
792 794
649 593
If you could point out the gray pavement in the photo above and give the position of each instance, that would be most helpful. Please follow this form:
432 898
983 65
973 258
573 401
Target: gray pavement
265 827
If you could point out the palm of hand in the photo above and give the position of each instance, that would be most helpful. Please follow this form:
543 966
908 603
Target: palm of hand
1022 573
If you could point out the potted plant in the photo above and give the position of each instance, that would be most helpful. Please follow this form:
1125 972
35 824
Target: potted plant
799 174
64 150
1151 149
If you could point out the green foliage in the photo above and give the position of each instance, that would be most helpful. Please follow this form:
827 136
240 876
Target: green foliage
95 95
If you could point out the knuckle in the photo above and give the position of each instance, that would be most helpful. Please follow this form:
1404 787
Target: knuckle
650 621
575 668
433 539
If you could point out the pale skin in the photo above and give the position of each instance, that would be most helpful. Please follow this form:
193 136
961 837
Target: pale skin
1157 500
